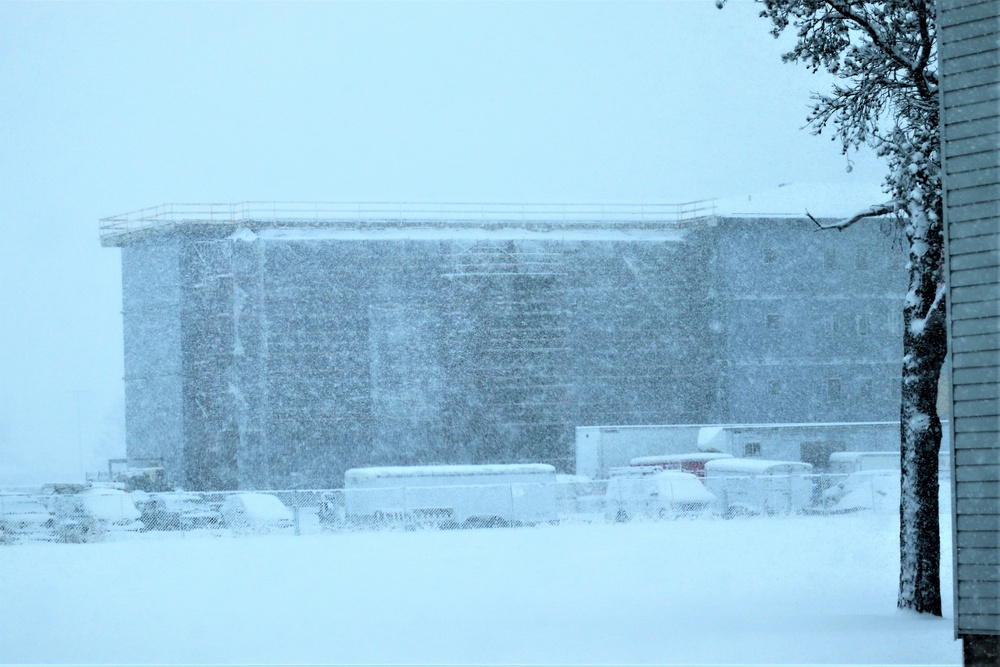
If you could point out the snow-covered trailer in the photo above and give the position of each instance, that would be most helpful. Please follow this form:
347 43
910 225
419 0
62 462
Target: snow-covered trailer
692 462
451 495
759 486
849 462
600 448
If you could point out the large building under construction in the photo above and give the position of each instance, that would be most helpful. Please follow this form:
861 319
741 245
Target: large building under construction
275 346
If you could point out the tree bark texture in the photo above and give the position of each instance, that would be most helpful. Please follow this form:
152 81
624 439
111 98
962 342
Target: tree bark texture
924 350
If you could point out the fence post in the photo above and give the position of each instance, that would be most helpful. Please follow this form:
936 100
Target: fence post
510 492
406 506
295 515
673 508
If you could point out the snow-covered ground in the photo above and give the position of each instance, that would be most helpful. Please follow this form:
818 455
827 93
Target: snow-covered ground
818 589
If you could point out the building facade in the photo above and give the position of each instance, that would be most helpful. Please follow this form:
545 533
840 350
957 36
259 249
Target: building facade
267 349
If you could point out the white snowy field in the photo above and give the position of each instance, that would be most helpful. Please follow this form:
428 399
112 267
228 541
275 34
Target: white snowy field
813 590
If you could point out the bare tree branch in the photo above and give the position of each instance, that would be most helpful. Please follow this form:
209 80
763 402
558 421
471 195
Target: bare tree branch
920 74
870 212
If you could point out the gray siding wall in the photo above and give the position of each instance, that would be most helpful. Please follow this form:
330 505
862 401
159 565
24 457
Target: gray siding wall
970 84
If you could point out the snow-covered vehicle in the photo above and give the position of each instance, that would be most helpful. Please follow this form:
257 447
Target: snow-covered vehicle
578 494
759 486
178 511
22 516
255 513
91 514
864 490
451 496
662 495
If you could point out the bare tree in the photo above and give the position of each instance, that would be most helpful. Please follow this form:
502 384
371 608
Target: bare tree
884 57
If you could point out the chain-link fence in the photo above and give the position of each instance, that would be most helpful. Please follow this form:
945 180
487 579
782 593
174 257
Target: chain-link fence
98 513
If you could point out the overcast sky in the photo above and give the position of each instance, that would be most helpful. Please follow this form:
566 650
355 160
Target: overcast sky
111 107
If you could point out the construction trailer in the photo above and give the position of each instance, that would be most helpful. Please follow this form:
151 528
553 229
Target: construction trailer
600 448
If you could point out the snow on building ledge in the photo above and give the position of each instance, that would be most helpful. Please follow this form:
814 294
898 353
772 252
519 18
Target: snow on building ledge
422 220
369 217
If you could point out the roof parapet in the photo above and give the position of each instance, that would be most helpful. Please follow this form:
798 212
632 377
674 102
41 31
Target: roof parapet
120 229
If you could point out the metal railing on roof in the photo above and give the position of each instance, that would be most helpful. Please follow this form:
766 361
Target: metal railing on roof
254 213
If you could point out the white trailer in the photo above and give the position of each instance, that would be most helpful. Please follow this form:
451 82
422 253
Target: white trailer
758 486
451 495
600 448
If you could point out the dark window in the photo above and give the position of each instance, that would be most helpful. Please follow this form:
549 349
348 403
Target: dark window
818 453
770 256
772 321
751 449
895 321
864 325
774 387
862 259
833 387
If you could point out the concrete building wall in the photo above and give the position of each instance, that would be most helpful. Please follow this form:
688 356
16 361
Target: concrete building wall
152 296
811 322
301 352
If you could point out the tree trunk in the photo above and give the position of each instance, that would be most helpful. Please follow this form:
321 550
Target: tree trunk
924 350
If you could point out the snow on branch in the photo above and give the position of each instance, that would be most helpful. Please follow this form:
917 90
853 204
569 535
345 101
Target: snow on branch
879 38
918 324
870 212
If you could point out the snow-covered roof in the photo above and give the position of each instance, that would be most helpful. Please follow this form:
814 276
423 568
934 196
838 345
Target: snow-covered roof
109 505
677 458
261 506
289 221
408 220
451 470
762 466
